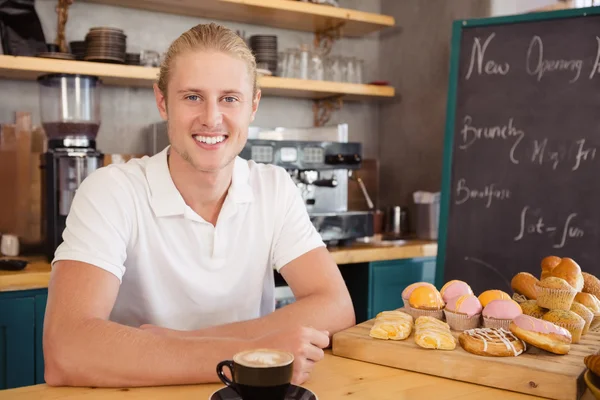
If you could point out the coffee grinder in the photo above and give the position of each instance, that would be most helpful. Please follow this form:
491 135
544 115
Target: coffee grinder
70 114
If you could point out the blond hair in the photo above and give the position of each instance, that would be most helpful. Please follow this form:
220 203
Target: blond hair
208 37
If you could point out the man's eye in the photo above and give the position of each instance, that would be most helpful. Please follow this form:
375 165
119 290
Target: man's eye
193 97
230 99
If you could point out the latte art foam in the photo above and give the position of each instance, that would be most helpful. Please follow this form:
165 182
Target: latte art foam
263 358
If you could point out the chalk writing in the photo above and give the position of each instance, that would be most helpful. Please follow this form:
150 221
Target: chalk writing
488 193
577 154
537 65
477 58
471 134
596 66
567 231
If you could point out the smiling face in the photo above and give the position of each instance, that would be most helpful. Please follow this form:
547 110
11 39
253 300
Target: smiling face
209 106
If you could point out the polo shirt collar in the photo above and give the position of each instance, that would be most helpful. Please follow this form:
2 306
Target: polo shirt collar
166 200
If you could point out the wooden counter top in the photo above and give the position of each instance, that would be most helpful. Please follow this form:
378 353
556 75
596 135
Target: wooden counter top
37 274
333 378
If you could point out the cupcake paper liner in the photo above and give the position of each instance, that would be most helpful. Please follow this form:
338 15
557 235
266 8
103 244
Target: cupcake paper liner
496 323
595 324
406 305
462 322
555 299
416 313
519 298
576 330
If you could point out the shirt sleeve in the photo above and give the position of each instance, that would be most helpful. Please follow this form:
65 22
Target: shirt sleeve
295 234
99 223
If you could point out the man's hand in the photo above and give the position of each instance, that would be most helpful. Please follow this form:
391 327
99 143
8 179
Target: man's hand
305 343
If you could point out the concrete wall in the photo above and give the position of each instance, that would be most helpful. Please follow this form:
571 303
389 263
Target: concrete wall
510 7
411 130
127 111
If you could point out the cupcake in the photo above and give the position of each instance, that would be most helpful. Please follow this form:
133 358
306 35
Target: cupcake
454 289
409 289
555 294
500 313
568 320
463 312
531 308
426 301
491 295
584 313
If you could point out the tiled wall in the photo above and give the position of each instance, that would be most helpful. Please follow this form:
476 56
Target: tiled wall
127 111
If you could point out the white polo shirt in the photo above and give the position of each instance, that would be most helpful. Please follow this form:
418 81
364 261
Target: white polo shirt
177 270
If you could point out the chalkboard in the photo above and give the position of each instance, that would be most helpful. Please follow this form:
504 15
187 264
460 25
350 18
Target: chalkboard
521 176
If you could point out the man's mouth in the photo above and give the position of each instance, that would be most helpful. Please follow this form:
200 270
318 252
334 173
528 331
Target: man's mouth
210 139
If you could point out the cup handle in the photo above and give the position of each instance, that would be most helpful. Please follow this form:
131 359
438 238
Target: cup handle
223 377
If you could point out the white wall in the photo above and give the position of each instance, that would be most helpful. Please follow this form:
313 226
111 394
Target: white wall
509 7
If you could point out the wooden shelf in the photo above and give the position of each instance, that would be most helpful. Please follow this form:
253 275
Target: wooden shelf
285 14
29 68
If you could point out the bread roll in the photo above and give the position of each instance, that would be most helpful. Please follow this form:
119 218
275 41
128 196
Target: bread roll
548 265
588 300
524 283
591 284
570 271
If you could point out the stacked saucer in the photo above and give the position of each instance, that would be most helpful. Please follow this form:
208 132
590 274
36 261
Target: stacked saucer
264 48
132 58
105 45
78 49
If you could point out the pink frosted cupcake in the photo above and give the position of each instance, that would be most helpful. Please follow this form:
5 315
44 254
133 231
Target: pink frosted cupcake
463 312
454 289
500 313
409 289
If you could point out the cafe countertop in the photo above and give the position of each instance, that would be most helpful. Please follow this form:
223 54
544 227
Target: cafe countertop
37 273
333 378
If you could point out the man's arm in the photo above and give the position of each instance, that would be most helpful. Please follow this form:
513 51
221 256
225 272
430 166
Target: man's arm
81 347
322 301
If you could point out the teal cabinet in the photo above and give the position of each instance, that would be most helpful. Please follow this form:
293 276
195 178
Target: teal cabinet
16 343
378 286
21 328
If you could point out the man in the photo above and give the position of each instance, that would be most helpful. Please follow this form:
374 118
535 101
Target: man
167 262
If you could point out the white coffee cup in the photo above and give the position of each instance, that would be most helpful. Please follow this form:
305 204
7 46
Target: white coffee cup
9 246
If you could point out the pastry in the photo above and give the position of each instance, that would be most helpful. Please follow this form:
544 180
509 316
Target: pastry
542 334
593 363
584 313
431 333
409 289
490 295
593 304
568 320
463 312
499 313
555 294
548 265
589 300
495 342
523 283
393 325
591 284
570 271
453 289
531 308
426 301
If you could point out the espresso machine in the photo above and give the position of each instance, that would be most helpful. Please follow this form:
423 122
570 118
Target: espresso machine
70 114
321 162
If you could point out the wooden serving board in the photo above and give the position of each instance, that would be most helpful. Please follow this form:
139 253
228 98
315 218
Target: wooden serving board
536 372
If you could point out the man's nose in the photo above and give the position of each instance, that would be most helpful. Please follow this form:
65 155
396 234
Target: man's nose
211 115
